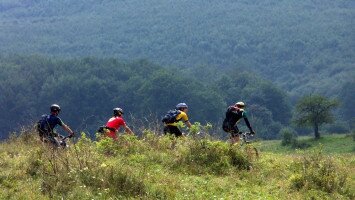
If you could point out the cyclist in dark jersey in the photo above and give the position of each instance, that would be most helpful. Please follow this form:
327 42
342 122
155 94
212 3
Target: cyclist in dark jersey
49 122
233 115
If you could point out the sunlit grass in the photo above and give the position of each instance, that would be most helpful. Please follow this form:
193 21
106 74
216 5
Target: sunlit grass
155 167
337 143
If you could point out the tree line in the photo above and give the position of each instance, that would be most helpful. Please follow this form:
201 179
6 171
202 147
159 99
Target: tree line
89 88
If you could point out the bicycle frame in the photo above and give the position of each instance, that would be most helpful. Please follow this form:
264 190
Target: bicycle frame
244 136
57 141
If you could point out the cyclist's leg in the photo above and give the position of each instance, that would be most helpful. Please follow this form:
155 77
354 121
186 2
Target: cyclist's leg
176 131
234 135
172 130
52 140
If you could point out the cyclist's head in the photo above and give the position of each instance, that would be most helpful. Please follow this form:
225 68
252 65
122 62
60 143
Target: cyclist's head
181 106
55 108
117 112
240 104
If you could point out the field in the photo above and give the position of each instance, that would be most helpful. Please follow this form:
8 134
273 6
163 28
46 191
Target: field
155 167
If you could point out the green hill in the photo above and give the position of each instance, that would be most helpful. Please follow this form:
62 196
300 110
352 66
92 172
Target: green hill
155 167
303 46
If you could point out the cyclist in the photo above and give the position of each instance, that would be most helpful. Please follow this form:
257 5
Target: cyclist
115 122
172 128
47 124
233 115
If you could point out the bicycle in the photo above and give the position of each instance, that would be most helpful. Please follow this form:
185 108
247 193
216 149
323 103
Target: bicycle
245 140
58 141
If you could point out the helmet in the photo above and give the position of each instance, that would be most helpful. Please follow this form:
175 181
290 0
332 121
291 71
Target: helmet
181 106
240 104
117 111
55 108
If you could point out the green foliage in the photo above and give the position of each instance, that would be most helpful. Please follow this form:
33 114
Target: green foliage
107 146
198 129
314 110
149 168
145 91
283 41
289 136
332 144
337 127
347 96
214 157
320 172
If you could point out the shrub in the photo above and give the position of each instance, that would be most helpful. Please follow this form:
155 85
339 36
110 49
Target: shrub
317 171
210 155
107 146
289 136
216 157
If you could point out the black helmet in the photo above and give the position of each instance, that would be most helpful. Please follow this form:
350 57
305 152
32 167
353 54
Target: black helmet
181 106
55 108
117 111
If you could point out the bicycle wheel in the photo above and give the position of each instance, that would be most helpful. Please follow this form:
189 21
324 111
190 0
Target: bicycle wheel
251 152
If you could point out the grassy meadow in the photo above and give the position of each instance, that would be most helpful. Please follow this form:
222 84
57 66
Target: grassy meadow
157 167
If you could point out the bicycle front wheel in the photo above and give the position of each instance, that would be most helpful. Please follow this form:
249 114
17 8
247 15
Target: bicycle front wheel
251 152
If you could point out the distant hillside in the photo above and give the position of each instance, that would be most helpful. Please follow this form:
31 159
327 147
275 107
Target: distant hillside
304 46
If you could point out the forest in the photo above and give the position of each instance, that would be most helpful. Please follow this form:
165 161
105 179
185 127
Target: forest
304 47
88 89
147 56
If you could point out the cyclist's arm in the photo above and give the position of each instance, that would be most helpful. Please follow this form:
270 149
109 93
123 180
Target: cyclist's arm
248 124
127 129
67 129
183 116
188 124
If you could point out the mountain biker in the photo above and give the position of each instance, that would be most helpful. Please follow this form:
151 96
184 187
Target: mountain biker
49 122
115 122
172 127
233 115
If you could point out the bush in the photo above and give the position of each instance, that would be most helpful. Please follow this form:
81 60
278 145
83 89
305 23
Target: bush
317 171
216 157
288 136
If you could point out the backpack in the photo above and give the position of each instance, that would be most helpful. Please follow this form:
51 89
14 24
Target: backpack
103 129
42 125
170 117
226 126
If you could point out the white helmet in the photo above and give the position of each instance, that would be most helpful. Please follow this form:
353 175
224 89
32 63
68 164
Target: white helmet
117 111
240 104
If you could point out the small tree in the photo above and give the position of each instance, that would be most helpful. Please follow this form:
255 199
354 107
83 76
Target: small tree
314 110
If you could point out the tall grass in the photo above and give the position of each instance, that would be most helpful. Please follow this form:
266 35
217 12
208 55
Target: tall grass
163 167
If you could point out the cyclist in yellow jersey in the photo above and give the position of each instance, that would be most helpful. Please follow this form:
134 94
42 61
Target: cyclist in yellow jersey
172 128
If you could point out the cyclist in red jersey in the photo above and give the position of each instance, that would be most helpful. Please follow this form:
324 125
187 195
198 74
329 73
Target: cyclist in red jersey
115 122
